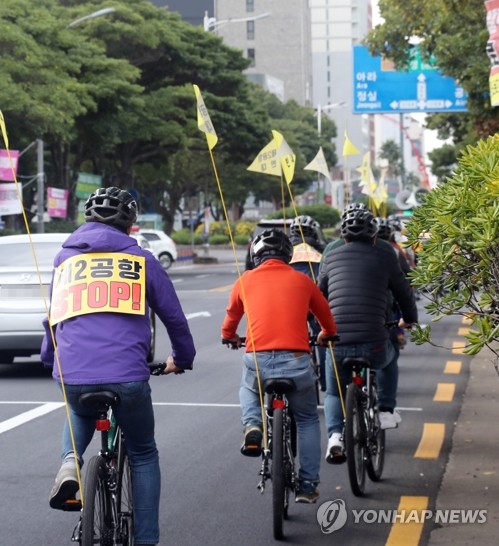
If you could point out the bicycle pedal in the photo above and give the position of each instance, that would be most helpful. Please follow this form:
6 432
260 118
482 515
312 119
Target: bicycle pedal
71 505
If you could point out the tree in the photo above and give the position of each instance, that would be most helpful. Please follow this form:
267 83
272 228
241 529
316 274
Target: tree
390 151
458 265
443 161
455 35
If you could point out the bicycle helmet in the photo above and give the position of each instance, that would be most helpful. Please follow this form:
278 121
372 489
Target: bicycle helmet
385 229
359 224
271 243
111 206
308 225
353 207
395 222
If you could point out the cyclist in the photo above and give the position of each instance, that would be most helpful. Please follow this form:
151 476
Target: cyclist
276 300
356 278
108 350
307 254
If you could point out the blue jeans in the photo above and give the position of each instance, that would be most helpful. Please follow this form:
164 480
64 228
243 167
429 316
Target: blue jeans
382 356
135 416
302 402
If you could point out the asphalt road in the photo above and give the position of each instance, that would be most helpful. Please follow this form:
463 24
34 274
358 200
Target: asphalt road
209 493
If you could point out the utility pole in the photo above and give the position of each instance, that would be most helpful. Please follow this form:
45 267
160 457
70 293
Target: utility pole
40 176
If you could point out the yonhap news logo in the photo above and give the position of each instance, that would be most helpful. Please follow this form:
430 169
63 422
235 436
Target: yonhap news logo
332 515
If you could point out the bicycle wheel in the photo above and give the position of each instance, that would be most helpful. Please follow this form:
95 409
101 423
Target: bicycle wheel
376 448
277 474
97 520
355 440
124 494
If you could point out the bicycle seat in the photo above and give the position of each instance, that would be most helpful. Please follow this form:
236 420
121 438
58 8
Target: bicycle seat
279 386
361 361
99 401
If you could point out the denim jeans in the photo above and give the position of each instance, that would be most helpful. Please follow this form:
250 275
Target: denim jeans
302 402
135 416
382 356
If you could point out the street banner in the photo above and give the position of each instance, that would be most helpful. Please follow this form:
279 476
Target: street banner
8 165
492 49
57 202
86 184
9 200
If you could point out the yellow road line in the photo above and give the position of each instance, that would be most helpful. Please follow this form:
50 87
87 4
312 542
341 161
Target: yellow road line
445 392
431 441
453 366
458 348
463 331
222 288
408 533
466 320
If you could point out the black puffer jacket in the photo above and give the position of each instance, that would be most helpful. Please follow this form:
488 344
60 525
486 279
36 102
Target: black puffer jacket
355 278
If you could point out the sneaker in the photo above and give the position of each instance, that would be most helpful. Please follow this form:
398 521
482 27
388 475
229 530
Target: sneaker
335 453
65 487
307 492
252 445
389 419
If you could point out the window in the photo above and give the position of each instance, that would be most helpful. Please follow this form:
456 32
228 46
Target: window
250 5
251 56
250 30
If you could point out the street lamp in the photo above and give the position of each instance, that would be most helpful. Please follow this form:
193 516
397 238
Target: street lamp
321 109
98 13
210 23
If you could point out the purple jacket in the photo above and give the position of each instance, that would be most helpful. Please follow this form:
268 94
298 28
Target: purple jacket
106 347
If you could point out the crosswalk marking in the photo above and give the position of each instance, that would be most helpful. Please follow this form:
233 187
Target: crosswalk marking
453 367
408 533
431 441
445 392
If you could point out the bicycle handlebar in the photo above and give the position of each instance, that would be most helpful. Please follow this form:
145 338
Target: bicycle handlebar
312 341
157 368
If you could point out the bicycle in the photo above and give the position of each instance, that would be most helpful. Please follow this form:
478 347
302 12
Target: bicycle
107 512
278 459
364 437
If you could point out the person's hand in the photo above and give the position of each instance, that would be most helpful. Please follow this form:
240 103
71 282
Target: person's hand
323 339
171 367
404 324
234 342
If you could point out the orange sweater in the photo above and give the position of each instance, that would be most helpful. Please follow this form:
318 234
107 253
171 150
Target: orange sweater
276 300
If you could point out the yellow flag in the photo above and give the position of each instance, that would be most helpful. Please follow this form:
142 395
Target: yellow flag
286 156
204 121
319 164
367 181
348 147
4 130
266 161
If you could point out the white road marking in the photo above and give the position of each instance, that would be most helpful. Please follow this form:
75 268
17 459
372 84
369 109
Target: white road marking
23 418
200 314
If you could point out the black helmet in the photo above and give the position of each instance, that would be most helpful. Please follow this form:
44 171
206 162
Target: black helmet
359 224
353 207
385 229
308 225
395 222
271 243
111 206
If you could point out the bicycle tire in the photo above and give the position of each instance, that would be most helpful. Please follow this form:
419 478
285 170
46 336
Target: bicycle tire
376 450
96 516
277 473
355 440
124 493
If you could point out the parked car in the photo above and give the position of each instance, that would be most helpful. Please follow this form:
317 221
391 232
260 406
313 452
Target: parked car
283 225
24 296
163 245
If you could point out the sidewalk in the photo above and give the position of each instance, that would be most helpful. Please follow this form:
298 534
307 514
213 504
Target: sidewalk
471 479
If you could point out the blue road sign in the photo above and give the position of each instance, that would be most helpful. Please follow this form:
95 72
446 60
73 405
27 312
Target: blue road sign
379 89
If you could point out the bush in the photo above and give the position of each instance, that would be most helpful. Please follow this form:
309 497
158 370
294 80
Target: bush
245 228
458 264
218 239
324 214
242 239
184 237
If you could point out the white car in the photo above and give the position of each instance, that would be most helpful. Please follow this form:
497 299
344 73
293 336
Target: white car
163 245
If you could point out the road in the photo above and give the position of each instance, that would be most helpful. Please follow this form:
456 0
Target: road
209 493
